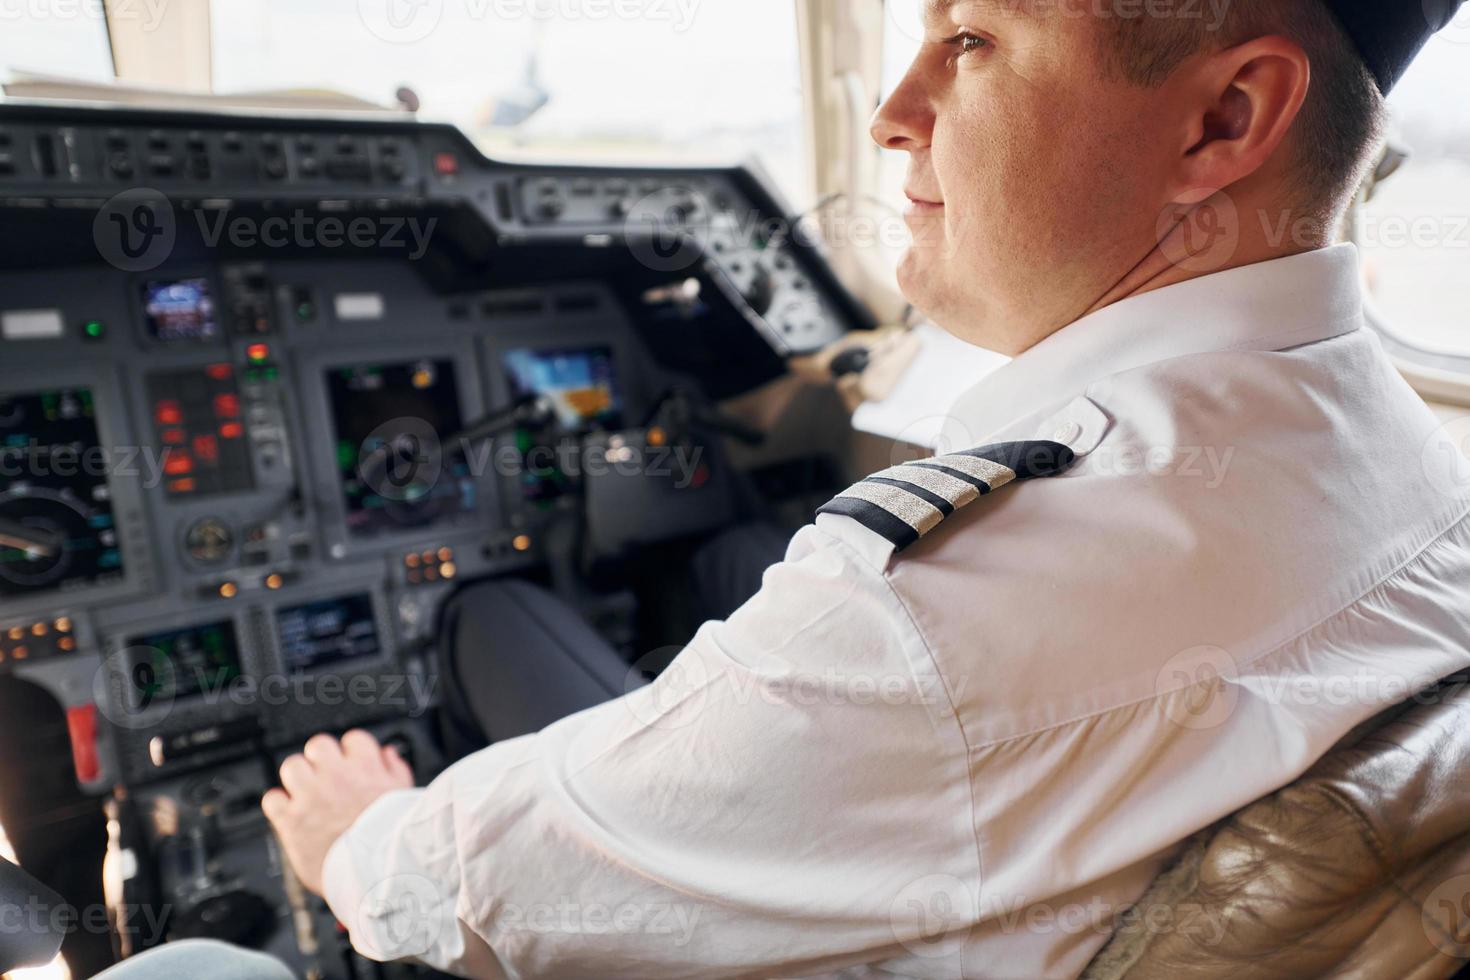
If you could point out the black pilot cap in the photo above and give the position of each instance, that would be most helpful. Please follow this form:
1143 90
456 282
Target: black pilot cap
1389 33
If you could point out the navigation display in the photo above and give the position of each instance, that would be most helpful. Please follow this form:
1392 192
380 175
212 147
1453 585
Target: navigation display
332 631
180 311
190 661
57 530
582 382
390 421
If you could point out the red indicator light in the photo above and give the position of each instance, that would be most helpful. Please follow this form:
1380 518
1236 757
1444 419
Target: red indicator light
168 413
185 485
446 164
178 463
231 430
259 353
227 406
173 437
206 449
220 372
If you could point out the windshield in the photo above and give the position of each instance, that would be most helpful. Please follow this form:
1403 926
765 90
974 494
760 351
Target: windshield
631 81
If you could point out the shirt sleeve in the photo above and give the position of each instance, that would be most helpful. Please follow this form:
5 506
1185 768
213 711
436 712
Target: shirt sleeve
769 806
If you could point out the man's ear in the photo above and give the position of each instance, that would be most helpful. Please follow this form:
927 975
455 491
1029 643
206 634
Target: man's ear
1243 101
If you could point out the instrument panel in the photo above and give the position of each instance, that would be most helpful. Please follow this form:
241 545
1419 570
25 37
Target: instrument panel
232 467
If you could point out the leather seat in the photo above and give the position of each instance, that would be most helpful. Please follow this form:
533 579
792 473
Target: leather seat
1360 869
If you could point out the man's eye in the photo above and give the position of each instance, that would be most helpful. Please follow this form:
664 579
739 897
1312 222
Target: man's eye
966 43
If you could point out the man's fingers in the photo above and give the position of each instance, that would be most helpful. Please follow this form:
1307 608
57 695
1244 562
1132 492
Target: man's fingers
395 765
322 748
296 775
358 743
275 803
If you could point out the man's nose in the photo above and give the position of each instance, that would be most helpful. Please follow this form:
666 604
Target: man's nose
905 121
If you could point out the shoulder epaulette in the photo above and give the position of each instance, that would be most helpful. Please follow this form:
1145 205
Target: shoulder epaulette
906 502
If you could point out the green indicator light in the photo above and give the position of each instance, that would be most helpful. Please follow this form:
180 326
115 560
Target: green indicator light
94 329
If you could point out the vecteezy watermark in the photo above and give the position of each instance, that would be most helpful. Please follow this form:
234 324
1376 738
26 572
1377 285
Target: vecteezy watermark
35 917
674 921
1103 917
399 917
1200 233
33 460
149 12
138 688
907 16
666 689
135 231
302 230
1446 917
411 21
1446 458
1198 687
932 916
1457 31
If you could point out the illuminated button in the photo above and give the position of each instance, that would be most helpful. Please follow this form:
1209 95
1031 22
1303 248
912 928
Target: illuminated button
521 542
447 570
427 558
446 554
431 575
228 590
20 653
258 353
657 437
220 372
227 406
63 625
412 561
179 463
168 413
423 378
446 164
39 629
231 430
174 437
184 485
66 644
274 581
94 330
17 632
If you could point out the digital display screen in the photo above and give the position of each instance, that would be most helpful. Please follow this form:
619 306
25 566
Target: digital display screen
199 431
57 531
180 311
581 382
328 632
191 661
390 421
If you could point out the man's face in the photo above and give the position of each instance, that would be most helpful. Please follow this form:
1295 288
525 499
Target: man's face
1034 178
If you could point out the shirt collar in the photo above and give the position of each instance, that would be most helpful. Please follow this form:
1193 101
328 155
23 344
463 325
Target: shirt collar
1270 306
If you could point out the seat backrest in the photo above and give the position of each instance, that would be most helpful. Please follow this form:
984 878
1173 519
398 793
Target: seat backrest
1359 869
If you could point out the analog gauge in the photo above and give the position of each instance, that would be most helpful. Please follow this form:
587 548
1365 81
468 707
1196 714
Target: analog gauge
41 532
209 541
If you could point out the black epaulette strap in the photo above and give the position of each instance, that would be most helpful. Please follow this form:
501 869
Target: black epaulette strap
907 502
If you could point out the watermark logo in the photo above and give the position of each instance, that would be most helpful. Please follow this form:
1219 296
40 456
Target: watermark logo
400 917
135 231
933 435
1197 687
1446 458
1446 917
401 460
932 917
665 229
135 688
1200 236
670 697
1457 31
400 21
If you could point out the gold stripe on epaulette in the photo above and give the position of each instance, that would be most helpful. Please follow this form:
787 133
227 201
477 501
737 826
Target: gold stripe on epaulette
914 511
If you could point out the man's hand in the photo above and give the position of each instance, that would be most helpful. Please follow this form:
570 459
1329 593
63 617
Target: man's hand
326 788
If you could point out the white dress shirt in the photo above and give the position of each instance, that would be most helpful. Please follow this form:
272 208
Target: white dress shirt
965 759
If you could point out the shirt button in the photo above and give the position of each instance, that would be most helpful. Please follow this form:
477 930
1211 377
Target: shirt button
1067 433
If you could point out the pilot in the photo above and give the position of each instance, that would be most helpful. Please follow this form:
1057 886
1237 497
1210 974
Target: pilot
1193 534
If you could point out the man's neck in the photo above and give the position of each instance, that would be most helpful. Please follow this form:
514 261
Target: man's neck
1178 259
